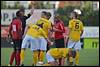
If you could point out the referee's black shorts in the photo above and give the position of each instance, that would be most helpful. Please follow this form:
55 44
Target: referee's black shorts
59 43
17 44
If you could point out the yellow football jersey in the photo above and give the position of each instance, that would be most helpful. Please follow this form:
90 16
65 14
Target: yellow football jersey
58 52
45 24
35 31
76 26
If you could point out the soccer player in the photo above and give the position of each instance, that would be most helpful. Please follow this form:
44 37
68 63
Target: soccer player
58 33
23 17
31 37
55 53
15 32
51 30
75 32
59 30
46 26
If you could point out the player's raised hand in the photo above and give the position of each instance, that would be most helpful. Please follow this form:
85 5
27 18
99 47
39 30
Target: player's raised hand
32 11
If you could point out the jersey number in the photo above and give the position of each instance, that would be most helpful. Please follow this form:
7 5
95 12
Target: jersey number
76 25
14 28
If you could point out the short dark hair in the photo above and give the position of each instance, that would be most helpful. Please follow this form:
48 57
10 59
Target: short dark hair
18 13
48 14
75 14
44 12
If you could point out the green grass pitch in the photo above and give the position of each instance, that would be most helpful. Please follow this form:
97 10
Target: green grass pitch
88 57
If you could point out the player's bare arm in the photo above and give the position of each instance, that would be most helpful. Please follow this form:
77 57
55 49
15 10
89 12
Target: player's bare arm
81 32
26 28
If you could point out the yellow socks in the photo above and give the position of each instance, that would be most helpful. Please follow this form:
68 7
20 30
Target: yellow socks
77 58
35 57
70 59
47 64
41 55
22 55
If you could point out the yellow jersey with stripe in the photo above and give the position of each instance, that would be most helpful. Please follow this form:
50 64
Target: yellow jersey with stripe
76 27
45 25
36 31
58 52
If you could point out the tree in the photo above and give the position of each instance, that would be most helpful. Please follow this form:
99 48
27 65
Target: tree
39 5
48 5
3 5
90 17
17 5
65 13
